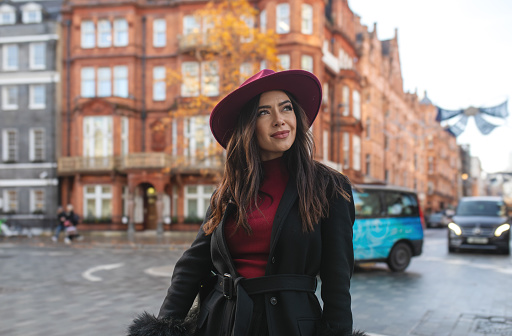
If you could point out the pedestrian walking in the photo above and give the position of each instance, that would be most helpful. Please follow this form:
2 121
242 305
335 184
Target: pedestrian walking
70 224
277 220
61 218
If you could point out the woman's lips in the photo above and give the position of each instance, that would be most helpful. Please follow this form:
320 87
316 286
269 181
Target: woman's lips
280 134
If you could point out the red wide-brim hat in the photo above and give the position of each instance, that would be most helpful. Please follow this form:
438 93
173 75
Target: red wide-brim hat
303 85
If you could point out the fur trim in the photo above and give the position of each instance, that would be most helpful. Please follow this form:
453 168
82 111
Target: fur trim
148 325
325 330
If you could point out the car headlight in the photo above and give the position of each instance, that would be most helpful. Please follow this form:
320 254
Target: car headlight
502 228
455 228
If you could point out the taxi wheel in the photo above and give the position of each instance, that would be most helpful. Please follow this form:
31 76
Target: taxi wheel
400 257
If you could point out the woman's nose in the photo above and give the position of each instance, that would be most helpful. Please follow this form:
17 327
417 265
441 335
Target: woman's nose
279 120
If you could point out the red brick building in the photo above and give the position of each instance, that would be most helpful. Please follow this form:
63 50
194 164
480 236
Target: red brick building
124 156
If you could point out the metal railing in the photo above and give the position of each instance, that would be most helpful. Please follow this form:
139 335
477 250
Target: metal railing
105 164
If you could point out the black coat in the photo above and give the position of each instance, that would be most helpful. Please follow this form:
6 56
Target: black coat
327 251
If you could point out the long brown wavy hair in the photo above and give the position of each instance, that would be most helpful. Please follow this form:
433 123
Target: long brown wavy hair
243 174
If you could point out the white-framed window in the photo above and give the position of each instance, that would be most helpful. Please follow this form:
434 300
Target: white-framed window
87 31
356 104
325 145
159 85
121 81
104 82
97 136
430 165
245 71
159 33
263 21
191 25
346 101
87 82
37 55
37 198
10 97
10 57
190 75
368 128
284 60
37 143
356 151
31 13
197 200
346 150
307 19
120 33
37 95
306 63
10 145
325 93
7 14
10 201
200 139
249 21
210 78
104 33
204 79
98 202
125 135
283 18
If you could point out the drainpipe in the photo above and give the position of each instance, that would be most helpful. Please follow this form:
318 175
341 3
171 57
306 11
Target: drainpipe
143 100
68 100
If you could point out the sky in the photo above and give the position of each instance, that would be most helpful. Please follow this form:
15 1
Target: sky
460 53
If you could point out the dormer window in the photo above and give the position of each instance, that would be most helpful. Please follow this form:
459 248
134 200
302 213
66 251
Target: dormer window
31 13
7 15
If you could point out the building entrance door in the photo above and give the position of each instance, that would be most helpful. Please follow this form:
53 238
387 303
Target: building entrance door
150 210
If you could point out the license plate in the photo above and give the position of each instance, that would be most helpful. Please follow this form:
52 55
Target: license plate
477 240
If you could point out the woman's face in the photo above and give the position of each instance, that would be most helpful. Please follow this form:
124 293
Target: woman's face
275 124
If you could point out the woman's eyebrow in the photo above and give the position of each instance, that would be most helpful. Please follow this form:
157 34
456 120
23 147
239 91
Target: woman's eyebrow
280 104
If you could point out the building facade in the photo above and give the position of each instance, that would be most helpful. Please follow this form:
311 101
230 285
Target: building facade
29 108
131 161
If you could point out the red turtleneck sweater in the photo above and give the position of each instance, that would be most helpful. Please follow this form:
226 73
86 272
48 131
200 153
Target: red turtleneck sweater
250 252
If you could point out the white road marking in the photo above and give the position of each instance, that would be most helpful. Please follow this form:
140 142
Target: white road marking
162 271
88 274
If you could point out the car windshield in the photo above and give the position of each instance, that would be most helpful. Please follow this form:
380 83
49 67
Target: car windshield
480 208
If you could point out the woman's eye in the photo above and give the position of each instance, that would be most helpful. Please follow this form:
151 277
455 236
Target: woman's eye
288 108
262 112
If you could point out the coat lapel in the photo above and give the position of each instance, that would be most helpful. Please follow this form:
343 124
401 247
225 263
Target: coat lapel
220 252
289 196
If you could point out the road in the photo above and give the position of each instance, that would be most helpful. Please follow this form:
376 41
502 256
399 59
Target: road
68 290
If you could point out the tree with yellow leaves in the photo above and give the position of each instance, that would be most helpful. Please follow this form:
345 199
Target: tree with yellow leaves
229 48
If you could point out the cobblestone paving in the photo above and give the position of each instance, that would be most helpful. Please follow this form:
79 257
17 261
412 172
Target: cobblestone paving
53 289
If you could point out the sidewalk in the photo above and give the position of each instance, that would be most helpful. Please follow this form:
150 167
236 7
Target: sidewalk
111 239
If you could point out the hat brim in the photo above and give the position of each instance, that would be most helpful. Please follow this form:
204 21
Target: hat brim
303 85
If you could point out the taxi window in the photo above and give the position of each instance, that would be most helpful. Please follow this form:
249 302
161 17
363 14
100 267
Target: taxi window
400 204
367 203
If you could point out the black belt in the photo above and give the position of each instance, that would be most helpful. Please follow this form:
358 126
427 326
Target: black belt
240 288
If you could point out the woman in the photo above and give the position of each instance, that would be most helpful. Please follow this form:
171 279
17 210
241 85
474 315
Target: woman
276 221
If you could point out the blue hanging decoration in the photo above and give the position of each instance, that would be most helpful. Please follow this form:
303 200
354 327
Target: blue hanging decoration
484 126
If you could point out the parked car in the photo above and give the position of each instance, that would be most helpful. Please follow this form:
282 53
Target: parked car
480 223
388 227
438 219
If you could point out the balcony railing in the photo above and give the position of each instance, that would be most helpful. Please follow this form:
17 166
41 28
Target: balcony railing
194 164
98 164
194 40
144 161
105 164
